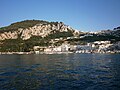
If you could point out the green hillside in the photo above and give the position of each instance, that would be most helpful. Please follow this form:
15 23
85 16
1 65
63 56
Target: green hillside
18 44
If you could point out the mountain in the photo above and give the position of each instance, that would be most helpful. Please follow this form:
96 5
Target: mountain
28 28
103 35
24 35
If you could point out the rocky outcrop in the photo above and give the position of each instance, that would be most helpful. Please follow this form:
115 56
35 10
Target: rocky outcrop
8 35
37 30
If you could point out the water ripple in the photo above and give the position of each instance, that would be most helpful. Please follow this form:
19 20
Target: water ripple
60 72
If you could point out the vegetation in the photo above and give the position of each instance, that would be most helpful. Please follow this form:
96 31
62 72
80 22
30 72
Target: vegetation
100 38
76 41
58 34
19 45
23 24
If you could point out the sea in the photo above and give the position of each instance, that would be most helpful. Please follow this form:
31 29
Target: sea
60 72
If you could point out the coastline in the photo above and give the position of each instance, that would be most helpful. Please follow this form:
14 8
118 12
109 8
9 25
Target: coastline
28 53
19 53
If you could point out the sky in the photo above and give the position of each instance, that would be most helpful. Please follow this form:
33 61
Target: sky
83 15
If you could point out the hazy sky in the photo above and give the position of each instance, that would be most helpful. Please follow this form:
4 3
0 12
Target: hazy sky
85 15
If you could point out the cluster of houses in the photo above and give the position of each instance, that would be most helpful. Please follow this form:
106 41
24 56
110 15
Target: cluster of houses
50 49
94 47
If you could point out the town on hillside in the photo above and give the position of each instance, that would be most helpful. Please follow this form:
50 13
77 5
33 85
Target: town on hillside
94 47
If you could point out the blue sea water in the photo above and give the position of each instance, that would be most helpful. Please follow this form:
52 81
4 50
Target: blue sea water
60 72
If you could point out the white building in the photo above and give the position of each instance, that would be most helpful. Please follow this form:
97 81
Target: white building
37 52
57 49
48 50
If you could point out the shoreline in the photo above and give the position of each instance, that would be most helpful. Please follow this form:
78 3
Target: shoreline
28 53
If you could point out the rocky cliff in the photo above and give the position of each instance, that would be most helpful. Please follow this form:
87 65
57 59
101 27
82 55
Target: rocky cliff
41 28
